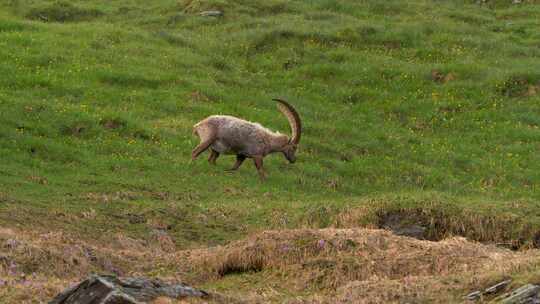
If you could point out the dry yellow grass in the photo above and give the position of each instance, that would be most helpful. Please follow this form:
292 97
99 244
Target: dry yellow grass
35 266
366 265
317 266
376 252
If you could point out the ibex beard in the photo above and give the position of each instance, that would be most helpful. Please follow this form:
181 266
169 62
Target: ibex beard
225 134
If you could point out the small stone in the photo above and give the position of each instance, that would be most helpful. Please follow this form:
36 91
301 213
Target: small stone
473 296
497 287
414 231
211 13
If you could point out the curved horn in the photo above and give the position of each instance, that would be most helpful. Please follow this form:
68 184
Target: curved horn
293 118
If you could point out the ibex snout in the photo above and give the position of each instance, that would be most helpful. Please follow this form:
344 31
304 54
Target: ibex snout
292 160
290 153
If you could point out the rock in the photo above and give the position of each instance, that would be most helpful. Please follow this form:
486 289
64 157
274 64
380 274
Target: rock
473 296
415 231
211 14
399 225
497 287
527 294
105 289
477 295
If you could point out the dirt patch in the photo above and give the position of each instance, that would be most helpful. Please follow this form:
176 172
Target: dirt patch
197 6
254 9
77 129
441 77
113 123
128 129
521 86
198 96
63 11
38 179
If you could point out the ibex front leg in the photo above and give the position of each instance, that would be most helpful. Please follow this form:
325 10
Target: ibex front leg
200 148
213 156
258 160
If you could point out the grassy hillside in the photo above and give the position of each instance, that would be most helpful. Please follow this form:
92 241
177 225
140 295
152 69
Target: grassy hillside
426 108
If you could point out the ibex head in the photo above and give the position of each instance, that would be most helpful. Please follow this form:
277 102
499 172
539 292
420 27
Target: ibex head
289 145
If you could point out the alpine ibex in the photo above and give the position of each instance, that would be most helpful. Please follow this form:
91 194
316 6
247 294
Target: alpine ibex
225 134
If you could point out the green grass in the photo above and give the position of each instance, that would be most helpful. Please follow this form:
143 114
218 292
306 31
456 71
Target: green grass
97 100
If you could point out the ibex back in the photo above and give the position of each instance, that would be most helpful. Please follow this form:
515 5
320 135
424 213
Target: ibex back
225 134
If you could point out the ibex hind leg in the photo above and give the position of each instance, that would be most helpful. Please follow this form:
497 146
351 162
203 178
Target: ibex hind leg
207 137
239 160
258 160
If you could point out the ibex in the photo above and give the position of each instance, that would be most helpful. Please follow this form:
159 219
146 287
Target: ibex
225 134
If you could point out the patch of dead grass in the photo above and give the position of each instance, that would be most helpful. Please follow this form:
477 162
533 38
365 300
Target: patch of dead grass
320 266
331 256
364 265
